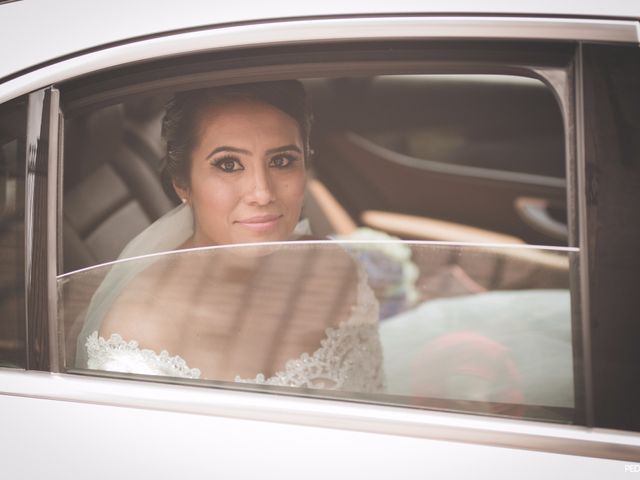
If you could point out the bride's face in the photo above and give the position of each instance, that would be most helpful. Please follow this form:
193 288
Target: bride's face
247 175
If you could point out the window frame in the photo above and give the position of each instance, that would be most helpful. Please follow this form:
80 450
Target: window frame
550 63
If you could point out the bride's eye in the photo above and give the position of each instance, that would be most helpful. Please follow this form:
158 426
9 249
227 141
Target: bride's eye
228 164
282 161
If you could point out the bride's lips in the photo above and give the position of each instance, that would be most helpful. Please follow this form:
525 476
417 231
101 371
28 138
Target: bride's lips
259 223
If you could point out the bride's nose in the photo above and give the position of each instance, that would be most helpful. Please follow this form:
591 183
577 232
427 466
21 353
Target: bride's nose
260 189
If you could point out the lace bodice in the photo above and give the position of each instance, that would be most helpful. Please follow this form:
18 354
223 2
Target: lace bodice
348 358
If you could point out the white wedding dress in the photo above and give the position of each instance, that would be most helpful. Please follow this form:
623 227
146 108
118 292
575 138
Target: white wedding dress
348 358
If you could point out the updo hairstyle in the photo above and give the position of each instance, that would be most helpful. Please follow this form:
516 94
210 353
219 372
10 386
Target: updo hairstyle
180 126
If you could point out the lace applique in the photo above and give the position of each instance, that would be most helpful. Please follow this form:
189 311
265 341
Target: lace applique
116 354
349 357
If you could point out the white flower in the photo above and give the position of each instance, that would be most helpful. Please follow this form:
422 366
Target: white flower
394 249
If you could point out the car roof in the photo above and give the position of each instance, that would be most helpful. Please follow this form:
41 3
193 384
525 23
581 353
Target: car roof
44 30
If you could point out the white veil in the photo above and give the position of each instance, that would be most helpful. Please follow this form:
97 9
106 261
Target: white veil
167 233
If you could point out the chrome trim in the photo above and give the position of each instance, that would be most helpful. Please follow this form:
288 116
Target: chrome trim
323 30
335 414
52 229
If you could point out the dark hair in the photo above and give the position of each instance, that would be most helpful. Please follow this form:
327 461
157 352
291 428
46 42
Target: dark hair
183 113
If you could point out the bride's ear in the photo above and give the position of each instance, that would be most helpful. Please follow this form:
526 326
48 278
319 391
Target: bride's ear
183 193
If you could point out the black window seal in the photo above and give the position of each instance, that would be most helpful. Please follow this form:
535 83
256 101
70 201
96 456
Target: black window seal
41 217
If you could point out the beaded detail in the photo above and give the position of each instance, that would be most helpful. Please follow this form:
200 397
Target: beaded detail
349 357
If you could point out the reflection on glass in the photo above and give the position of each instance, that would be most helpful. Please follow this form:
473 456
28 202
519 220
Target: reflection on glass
471 328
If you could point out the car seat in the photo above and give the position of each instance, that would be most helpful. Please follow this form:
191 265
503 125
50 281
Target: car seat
111 191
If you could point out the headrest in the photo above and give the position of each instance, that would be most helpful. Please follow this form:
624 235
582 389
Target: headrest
91 141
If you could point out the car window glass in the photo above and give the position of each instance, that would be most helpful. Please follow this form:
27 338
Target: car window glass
469 328
12 158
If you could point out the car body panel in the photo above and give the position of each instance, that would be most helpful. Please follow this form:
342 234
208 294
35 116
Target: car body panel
67 65
505 440
87 25
178 445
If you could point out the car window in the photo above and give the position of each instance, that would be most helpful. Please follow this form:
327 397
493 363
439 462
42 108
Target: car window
439 323
12 171
413 279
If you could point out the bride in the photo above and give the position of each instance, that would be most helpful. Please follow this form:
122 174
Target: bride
295 314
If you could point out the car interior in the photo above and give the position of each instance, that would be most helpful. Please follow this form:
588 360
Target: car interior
477 159
411 155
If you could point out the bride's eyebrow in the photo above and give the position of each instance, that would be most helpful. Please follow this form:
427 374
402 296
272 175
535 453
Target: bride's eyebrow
285 148
226 148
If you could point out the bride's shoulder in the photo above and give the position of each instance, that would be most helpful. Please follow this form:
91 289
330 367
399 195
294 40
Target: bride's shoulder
141 310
